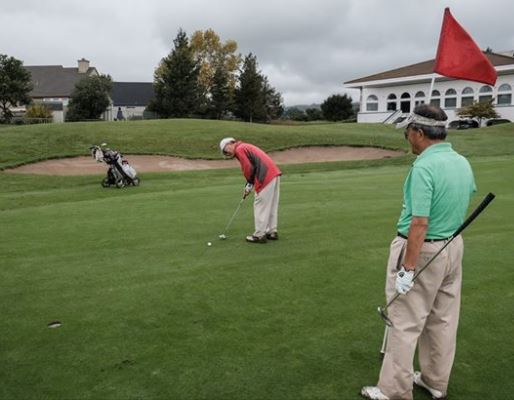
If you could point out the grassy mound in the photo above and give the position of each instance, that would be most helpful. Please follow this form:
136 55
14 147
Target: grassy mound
200 138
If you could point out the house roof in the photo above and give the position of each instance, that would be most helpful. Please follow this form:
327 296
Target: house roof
132 94
427 67
55 80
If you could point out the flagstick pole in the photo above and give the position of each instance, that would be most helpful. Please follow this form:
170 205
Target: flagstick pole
431 88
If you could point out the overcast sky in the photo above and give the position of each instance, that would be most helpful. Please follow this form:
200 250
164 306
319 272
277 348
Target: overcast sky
306 48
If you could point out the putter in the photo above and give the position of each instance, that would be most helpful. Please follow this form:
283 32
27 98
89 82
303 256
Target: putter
382 311
223 235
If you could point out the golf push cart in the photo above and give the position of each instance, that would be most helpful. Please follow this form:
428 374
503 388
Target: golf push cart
120 173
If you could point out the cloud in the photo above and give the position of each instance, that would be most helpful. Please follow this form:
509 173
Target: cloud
307 49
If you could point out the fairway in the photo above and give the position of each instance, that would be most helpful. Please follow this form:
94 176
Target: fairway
149 311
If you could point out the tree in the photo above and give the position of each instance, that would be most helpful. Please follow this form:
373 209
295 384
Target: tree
314 114
221 98
479 110
176 87
256 99
211 54
15 85
337 107
250 102
90 98
273 101
295 114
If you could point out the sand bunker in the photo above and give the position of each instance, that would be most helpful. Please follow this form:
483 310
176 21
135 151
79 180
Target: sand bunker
88 166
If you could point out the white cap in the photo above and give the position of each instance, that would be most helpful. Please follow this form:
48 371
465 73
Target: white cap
226 141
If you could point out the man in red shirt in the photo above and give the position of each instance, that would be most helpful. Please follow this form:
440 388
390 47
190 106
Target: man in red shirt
263 175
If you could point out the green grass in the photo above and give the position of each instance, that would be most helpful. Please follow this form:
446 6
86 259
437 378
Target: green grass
149 311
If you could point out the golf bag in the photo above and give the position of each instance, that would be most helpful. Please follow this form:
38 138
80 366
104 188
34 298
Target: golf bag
120 173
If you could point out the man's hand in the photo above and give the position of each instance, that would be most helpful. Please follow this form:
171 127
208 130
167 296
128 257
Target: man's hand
247 190
404 280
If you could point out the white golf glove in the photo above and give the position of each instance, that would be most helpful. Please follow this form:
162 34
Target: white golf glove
248 188
404 281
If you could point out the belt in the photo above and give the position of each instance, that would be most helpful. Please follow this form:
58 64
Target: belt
426 240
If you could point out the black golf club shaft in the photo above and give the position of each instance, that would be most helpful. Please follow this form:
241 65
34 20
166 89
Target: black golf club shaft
485 202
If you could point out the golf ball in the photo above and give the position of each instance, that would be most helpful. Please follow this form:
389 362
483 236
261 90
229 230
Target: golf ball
209 244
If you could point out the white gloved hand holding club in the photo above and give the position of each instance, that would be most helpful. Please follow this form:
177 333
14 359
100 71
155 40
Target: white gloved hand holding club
404 281
247 189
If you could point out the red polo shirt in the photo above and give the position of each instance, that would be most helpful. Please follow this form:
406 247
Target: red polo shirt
258 168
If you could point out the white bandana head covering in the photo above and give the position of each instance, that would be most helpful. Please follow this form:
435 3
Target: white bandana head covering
226 141
414 118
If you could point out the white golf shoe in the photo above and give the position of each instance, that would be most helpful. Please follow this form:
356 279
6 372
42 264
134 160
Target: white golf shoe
436 394
373 393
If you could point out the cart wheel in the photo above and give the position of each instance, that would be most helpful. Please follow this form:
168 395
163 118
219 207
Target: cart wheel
105 183
135 181
120 183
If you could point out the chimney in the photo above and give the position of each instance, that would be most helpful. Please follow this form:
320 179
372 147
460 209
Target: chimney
83 65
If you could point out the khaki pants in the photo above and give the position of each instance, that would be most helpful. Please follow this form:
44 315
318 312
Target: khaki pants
265 208
427 315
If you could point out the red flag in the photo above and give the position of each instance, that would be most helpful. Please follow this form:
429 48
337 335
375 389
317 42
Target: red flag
459 57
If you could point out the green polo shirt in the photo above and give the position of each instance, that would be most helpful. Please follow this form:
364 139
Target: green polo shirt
439 186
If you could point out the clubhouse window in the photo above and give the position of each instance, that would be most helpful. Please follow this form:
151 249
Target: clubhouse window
468 96
450 98
504 95
392 104
485 94
372 103
419 98
435 99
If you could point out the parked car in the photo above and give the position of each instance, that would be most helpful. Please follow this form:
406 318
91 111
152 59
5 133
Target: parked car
496 121
463 124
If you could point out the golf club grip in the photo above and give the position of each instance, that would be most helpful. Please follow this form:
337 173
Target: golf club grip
490 197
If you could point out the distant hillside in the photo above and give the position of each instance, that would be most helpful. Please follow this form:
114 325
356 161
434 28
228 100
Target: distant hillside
303 107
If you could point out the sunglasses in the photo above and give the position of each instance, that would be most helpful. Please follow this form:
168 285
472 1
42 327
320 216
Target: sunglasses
406 131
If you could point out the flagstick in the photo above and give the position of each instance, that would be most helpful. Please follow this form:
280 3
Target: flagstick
431 89
495 98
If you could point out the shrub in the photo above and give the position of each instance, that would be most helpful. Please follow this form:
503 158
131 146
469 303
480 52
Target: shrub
38 113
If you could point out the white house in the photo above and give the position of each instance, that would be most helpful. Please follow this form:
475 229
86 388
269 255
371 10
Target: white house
53 85
387 95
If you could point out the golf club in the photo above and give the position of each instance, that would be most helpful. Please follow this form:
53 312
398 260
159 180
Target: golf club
490 196
223 235
386 330
384 342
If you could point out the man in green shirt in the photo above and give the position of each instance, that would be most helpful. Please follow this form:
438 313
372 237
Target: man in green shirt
436 196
